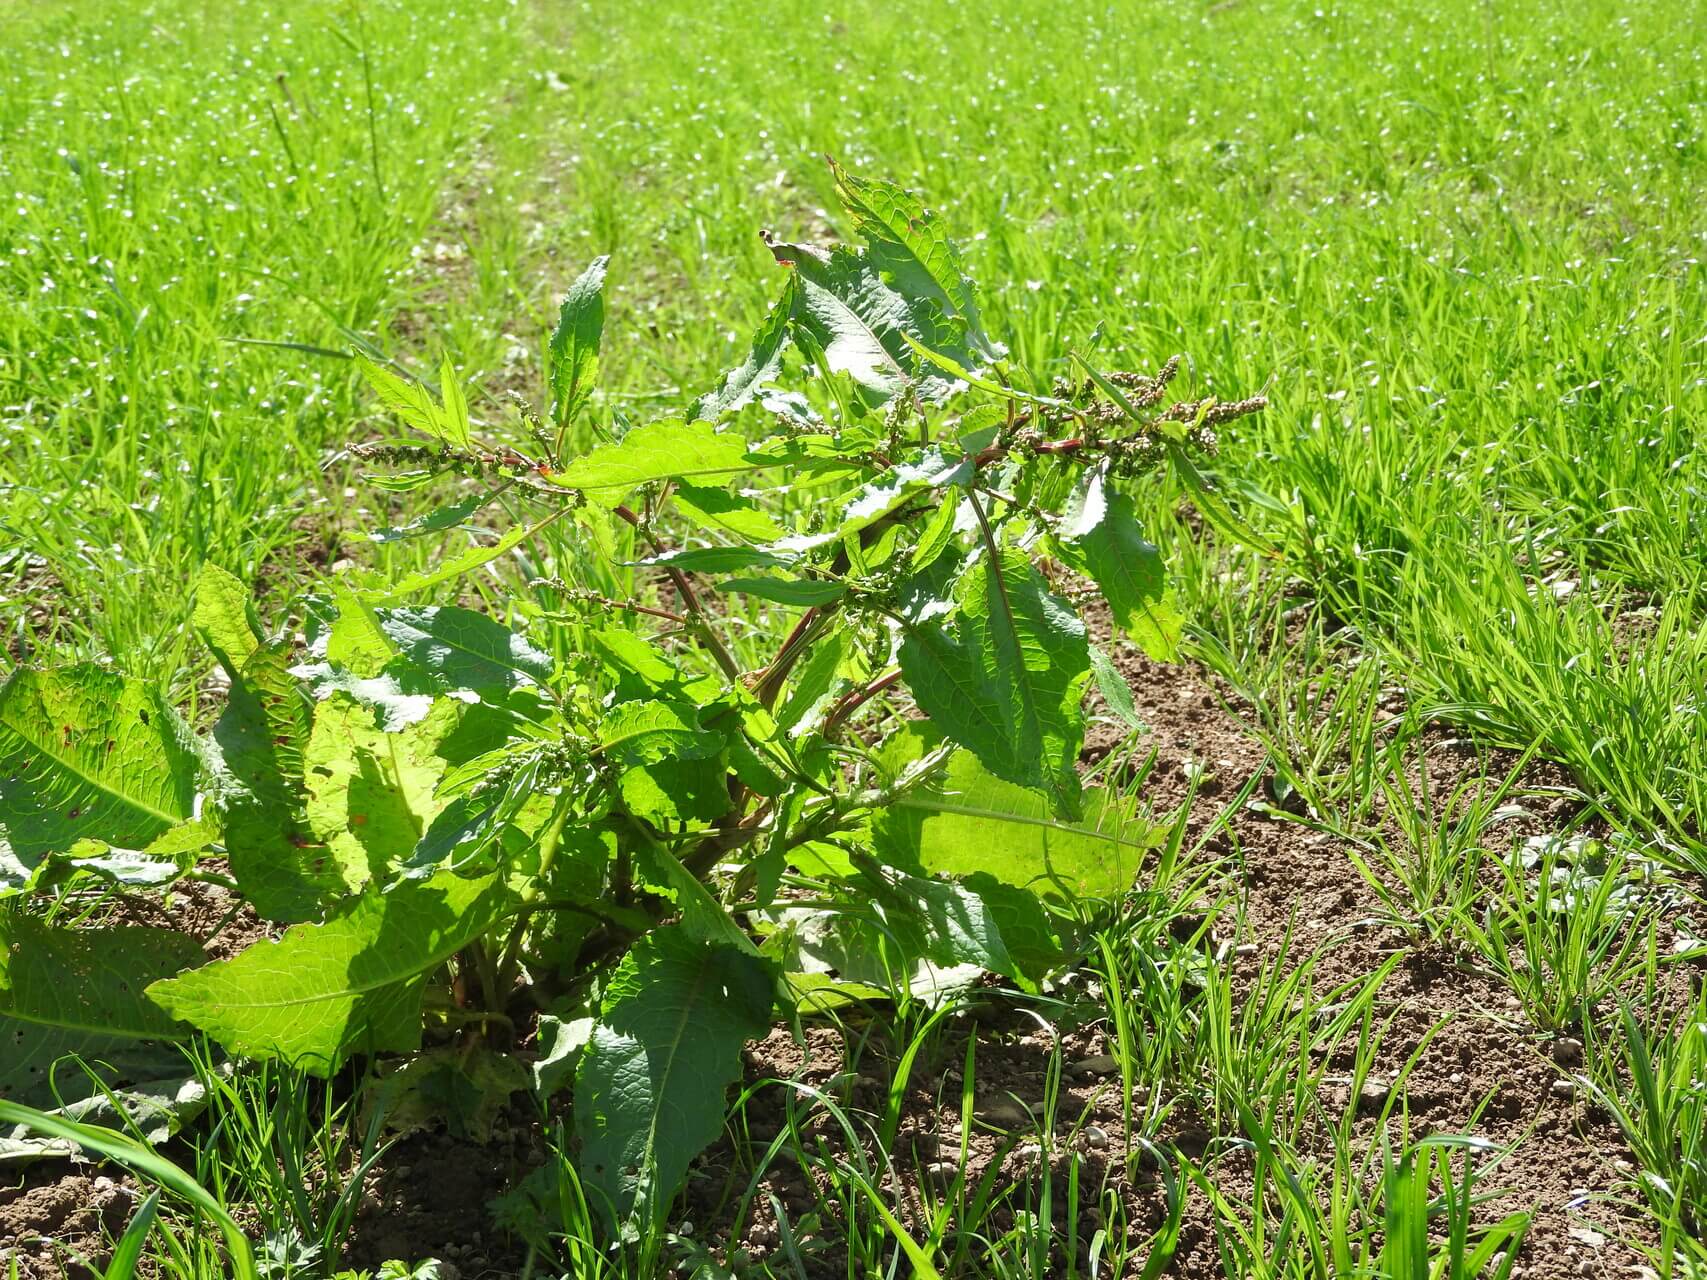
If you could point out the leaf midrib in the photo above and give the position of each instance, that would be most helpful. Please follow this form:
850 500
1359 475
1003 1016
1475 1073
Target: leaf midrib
96 784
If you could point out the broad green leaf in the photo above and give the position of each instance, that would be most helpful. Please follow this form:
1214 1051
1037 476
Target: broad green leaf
370 794
575 342
1099 536
411 401
1006 681
670 768
862 325
802 593
649 1088
224 617
640 733
351 985
283 870
763 362
665 450
972 821
910 247
86 753
723 512
90 981
462 649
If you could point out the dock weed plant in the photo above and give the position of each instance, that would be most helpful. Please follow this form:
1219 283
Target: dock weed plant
683 793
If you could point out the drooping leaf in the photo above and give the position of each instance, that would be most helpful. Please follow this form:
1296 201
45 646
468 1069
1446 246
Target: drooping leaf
464 1088
90 981
910 247
353 984
86 753
764 360
283 870
954 926
882 497
78 1035
663 450
1006 679
649 1088
1116 692
355 642
80 1076
816 686
1099 536
575 342
971 821
862 325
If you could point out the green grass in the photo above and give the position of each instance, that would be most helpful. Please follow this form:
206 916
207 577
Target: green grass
1460 243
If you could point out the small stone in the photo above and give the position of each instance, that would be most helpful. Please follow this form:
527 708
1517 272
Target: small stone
1096 1137
104 1184
1246 949
1564 1089
1374 1091
941 1172
1098 1064
1585 1268
1567 1051
1587 1235
1004 1113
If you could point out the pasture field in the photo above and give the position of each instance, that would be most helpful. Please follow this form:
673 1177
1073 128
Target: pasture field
1410 978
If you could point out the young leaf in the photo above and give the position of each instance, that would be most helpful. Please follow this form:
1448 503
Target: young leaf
575 343
862 325
649 1087
910 247
1099 536
1007 680
764 360
224 617
456 427
663 450
353 984
411 401
85 752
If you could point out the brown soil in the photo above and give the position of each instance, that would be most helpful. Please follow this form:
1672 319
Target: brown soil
1479 1069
